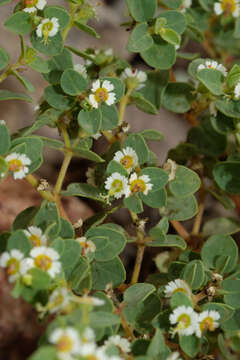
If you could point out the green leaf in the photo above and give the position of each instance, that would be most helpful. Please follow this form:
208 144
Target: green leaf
160 55
186 182
133 203
24 218
175 20
57 99
48 217
3 2
40 279
221 225
194 274
158 177
233 76
142 10
54 46
109 117
3 168
5 140
143 104
180 209
70 254
236 33
172 4
177 97
60 13
18 240
4 59
90 121
137 142
107 272
101 319
168 241
227 176
67 230
33 150
115 166
139 39
190 345
170 36
157 347
231 289
38 64
152 134
47 352
52 143
138 293
179 299
212 79
10 95
155 199
219 248
116 242
229 107
25 82
87 154
80 277
83 190
57 64
73 83
87 29
19 23
222 124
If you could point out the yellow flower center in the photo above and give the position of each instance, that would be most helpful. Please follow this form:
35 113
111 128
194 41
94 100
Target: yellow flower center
207 323
116 186
44 262
228 6
30 3
35 240
137 186
184 321
15 165
91 357
101 94
180 290
13 266
46 28
127 161
64 344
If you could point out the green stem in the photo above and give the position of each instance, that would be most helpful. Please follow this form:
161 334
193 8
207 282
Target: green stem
123 104
73 10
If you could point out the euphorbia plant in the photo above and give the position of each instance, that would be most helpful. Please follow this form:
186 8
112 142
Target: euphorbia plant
188 308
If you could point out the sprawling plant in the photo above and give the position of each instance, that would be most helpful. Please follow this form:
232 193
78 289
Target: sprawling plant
188 308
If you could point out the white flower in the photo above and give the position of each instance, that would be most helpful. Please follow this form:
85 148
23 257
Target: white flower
67 342
228 7
127 158
34 5
137 75
2 122
81 69
237 91
26 265
88 336
186 320
48 28
18 165
207 320
90 351
117 185
59 300
175 286
90 174
174 356
46 259
36 236
87 245
211 64
140 184
186 4
91 300
102 92
123 344
12 260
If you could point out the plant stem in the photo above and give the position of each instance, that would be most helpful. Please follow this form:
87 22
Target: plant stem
123 104
180 229
128 330
138 263
62 173
73 10
198 218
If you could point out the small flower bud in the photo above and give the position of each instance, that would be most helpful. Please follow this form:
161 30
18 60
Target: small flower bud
211 291
27 279
78 224
217 277
170 167
43 185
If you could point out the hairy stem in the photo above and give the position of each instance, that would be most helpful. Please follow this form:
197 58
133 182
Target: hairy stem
180 229
138 263
198 218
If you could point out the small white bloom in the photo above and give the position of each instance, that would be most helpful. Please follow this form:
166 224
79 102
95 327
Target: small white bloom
48 28
34 5
102 92
26 265
96 136
237 91
212 64
207 320
67 342
170 167
90 174
36 236
12 261
78 224
126 128
91 300
137 75
108 52
59 300
140 184
18 165
90 351
228 7
2 122
174 356
186 320
88 336
175 286
185 5
81 69
122 343
117 185
127 158
46 259
87 245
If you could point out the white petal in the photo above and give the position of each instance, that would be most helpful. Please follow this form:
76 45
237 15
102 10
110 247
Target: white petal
108 85
92 101
111 99
95 85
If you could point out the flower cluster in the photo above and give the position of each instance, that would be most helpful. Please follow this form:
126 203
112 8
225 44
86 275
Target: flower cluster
18 165
71 344
119 185
134 78
211 64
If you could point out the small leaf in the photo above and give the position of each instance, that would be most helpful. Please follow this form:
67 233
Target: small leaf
73 83
221 225
60 13
194 274
186 182
138 293
10 95
4 59
152 134
160 55
90 121
133 203
227 176
190 345
142 10
19 23
177 97
83 190
170 36
5 140
87 29
212 79
107 272
139 39
180 209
